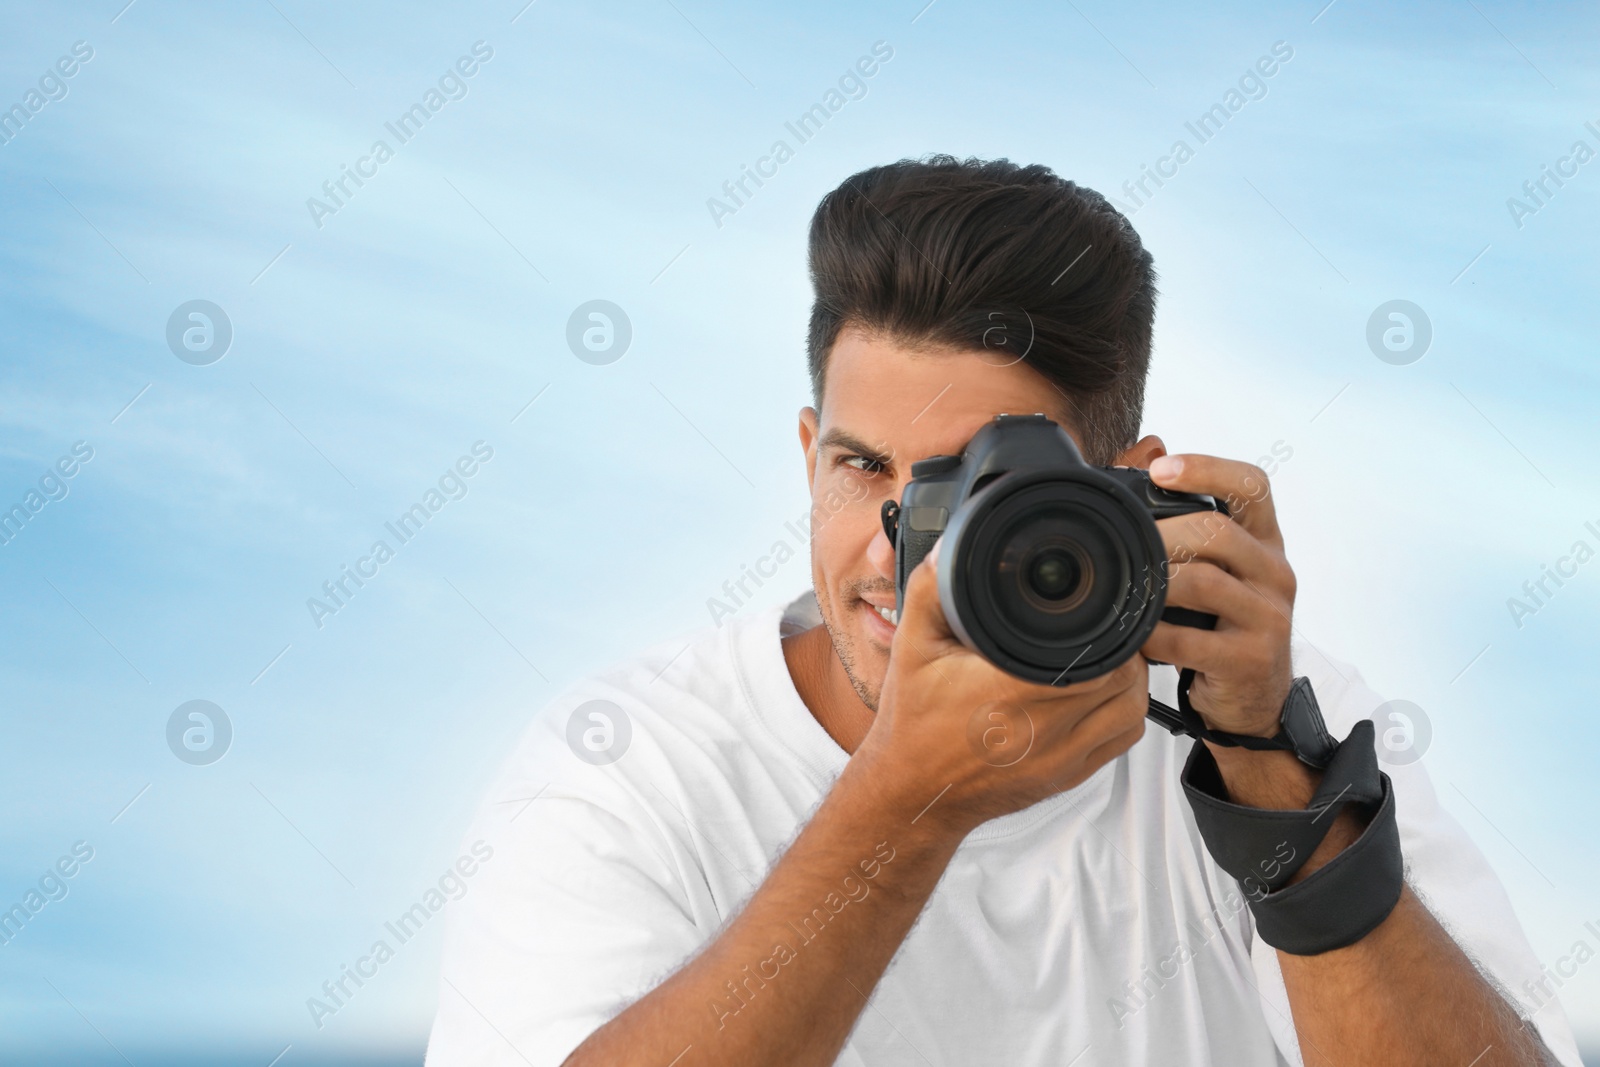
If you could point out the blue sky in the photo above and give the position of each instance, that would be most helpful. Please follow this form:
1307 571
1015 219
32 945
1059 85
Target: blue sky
371 352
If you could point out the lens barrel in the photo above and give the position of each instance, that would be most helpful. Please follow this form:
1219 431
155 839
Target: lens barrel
1054 575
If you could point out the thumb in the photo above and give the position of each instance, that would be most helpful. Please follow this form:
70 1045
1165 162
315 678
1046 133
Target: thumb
922 615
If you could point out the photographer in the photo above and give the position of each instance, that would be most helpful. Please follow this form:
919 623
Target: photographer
839 834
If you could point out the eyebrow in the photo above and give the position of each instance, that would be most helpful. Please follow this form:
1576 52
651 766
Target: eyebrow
849 442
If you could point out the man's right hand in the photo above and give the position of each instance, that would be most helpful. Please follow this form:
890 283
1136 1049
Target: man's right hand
933 766
951 725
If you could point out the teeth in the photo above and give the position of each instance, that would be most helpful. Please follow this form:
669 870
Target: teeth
889 614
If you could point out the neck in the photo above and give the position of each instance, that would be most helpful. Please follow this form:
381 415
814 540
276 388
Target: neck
825 688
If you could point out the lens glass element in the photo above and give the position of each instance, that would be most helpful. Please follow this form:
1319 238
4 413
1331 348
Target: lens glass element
1056 574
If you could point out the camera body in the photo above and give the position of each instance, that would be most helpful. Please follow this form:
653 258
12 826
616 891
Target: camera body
1051 569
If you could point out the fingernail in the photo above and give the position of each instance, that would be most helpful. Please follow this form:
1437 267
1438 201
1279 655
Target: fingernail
933 553
1166 467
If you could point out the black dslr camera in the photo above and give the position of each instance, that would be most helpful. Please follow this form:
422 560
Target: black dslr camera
1051 569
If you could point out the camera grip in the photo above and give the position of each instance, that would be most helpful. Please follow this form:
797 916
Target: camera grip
1169 718
1200 620
913 548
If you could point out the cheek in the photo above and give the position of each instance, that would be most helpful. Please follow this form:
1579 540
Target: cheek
840 539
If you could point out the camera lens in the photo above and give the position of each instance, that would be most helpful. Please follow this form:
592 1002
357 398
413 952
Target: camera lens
1055 574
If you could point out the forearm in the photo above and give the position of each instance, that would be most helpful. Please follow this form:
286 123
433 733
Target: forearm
1406 993
784 983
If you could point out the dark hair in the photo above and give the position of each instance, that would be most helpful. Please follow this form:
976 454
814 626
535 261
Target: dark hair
981 254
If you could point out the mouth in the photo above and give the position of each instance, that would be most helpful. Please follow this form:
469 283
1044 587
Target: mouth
883 619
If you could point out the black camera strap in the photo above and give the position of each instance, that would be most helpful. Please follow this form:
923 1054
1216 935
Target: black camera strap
1184 719
1343 900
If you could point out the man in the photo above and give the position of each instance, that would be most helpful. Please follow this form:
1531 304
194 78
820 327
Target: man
800 855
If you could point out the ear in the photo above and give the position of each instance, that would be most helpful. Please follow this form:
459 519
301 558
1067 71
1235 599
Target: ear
808 443
1141 454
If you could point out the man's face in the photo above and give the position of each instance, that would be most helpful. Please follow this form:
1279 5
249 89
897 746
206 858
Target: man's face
884 407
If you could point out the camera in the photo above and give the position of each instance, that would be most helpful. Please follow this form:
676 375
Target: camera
1051 568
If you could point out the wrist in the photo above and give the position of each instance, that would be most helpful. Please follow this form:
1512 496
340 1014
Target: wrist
1277 781
1264 779
1300 729
1321 873
898 795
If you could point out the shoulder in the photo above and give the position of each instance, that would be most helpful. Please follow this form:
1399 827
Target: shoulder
1342 693
685 685
1443 864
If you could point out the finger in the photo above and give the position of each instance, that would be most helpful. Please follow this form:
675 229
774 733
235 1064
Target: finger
1068 707
1118 678
1243 487
1115 747
1115 718
1206 587
1205 535
1205 651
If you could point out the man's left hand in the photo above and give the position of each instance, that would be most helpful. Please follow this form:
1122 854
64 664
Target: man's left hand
1232 567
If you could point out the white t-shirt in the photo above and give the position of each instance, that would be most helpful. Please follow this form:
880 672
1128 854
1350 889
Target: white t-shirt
1091 928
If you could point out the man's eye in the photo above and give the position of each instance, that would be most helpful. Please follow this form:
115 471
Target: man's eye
863 464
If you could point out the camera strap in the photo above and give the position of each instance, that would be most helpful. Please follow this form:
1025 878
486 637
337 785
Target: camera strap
1343 900
1184 719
